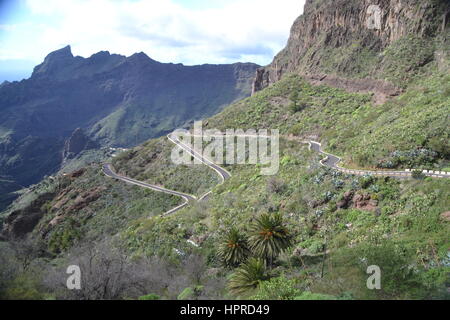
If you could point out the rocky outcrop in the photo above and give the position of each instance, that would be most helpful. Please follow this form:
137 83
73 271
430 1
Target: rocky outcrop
54 62
323 39
60 205
77 174
365 202
62 208
77 143
21 222
85 198
358 201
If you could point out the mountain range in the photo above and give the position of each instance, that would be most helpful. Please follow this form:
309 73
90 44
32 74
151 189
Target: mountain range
112 100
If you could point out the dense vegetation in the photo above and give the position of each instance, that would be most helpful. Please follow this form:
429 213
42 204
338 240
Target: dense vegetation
152 162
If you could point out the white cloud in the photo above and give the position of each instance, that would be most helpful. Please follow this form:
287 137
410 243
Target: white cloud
8 27
238 30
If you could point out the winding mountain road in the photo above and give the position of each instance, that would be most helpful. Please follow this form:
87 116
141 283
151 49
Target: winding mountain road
224 174
330 161
188 198
109 171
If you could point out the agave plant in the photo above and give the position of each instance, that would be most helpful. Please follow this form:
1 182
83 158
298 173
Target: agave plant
233 250
269 236
246 279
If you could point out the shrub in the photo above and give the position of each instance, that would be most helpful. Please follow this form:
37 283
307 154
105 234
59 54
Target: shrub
441 145
246 279
366 181
316 247
151 296
277 289
187 294
401 276
24 287
410 158
275 185
295 107
294 96
418 174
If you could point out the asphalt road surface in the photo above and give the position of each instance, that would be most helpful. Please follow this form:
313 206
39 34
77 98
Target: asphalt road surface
108 170
332 161
224 174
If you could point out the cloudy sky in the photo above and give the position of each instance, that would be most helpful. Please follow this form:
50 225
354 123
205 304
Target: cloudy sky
179 31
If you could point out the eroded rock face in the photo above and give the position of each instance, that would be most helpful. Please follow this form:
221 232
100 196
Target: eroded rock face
84 199
77 173
361 201
77 143
63 209
365 202
54 62
57 206
329 25
21 222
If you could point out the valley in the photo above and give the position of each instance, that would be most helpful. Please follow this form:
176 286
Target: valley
75 108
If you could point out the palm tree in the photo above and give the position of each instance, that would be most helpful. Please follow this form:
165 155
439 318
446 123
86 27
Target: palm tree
269 236
245 280
234 248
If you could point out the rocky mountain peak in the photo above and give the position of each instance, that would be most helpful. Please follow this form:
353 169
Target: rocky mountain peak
62 53
100 55
4 83
54 62
141 58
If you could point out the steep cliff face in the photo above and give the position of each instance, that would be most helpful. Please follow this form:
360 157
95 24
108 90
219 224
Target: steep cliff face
349 38
77 143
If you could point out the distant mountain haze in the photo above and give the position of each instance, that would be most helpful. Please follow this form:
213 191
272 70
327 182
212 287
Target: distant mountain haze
115 100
